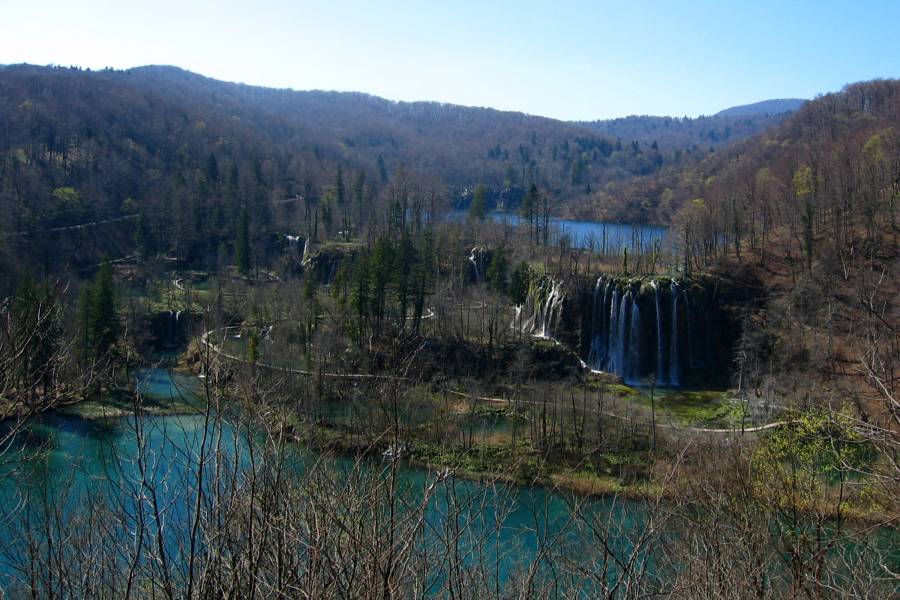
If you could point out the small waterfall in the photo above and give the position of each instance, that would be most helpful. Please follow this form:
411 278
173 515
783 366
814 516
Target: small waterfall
305 256
476 257
660 343
517 319
551 307
674 370
542 309
294 242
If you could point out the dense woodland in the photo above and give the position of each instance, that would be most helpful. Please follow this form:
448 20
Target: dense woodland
700 134
295 252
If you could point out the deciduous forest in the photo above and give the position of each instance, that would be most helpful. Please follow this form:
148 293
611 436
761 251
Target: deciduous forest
262 343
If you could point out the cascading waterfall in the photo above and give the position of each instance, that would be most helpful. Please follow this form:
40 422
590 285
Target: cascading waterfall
540 315
612 334
635 328
674 371
599 342
476 258
636 336
660 343
305 257
294 244
621 366
689 327
634 342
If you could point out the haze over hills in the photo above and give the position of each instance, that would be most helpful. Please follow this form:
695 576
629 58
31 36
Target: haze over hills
715 131
460 144
831 134
764 107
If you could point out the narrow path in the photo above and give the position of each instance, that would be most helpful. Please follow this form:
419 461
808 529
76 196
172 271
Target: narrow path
204 339
74 227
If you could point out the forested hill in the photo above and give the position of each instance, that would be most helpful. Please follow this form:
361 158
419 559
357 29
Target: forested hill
837 157
701 133
765 107
114 136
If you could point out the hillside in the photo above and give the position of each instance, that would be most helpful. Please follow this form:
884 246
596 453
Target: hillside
764 107
807 212
700 134
48 112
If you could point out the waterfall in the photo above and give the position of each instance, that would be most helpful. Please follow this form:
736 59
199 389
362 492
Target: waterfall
517 319
612 332
599 326
674 372
688 327
634 342
660 344
551 310
622 330
542 309
625 320
305 256
294 242
475 258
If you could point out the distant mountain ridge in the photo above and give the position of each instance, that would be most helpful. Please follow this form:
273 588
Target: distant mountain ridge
704 132
764 107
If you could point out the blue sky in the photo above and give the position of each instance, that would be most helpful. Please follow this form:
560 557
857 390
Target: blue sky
570 60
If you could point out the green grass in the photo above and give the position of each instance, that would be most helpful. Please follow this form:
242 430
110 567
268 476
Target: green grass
699 408
121 404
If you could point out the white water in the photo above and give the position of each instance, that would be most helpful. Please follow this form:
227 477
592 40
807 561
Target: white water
660 371
475 258
634 343
542 310
674 372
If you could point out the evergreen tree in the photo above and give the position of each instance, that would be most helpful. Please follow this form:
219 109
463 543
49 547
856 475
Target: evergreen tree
341 198
519 282
359 295
97 315
252 348
359 191
381 265
382 170
144 240
405 258
478 208
105 320
242 247
328 211
212 169
497 270
529 207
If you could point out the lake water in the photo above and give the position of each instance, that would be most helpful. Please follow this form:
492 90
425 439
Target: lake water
68 459
611 236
